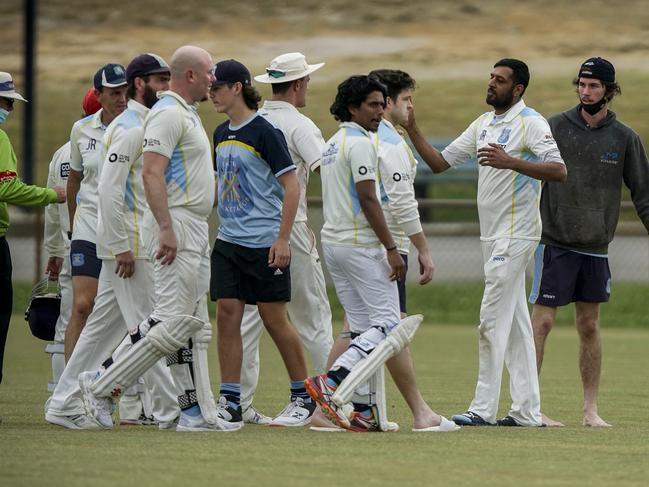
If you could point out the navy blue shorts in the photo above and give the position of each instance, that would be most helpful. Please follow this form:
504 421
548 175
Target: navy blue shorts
563 276
83 259
240 272
401 286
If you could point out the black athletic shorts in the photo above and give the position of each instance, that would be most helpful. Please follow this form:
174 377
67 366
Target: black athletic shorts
240 272
83 259
563 276
401 286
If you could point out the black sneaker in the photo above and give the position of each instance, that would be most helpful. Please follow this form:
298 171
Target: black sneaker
509 421
470 419
227 412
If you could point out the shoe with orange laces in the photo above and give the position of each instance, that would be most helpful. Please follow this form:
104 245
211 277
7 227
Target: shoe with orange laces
320 388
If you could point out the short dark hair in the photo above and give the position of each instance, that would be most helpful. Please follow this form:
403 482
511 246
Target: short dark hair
520 71
281 88
130 86
250 96
612 89
395 80
352 92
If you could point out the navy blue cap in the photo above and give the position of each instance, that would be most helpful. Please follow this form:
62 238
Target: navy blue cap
110 76
597 68
146 64
231 71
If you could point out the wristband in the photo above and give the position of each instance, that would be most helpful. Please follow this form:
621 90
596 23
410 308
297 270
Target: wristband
391 249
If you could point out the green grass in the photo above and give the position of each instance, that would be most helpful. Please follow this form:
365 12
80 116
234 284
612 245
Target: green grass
36 453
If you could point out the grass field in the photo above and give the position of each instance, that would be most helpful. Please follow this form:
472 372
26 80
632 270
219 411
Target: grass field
35 453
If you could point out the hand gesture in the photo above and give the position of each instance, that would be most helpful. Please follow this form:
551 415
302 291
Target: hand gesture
494 156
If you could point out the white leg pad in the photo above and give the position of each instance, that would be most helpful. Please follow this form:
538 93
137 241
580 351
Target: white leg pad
202 385
398 338
162 339
57 351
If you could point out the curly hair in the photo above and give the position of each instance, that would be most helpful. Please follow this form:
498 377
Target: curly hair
352 92
612 89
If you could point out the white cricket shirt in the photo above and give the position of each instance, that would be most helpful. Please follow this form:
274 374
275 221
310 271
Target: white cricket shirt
304 140
121 191
349 157
87 157
57 218
397 170
174 130
508 201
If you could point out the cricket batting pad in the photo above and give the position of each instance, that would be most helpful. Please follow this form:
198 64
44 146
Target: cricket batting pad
162 339
398 338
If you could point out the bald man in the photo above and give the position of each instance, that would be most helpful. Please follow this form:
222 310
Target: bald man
179 185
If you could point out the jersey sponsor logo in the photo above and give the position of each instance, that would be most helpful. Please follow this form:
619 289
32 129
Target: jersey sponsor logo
92 144
151 143
77 260
504 136
235 195
610 158
401 176
498 258
362 170
64 170
232 137
7 176
120 158
483 134
548 296
548 139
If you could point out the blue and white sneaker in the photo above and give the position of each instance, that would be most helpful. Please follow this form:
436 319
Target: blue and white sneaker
298 412
99 409
470 419
252 416
188 423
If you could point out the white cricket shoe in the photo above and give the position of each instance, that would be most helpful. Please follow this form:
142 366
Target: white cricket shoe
297 413
72 421
99 409
252 416
188 423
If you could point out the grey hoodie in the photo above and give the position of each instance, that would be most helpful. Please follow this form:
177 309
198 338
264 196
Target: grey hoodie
582 213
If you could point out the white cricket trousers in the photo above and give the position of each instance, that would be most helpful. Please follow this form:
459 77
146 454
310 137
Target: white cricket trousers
57 348
506 335
120 305
308 311
181 287
370 299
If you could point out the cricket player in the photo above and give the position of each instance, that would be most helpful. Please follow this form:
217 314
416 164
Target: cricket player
125 292
580 217
13 191
397 168
361 253
179 186
86 159
258 195
57 244
308 310
516 151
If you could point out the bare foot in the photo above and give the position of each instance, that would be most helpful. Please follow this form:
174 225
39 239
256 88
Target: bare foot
550 423
427 420
595 421
319 420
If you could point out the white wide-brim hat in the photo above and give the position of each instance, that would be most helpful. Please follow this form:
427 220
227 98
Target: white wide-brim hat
7 89
287 67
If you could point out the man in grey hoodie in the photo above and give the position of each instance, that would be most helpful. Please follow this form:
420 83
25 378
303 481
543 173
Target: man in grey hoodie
580 216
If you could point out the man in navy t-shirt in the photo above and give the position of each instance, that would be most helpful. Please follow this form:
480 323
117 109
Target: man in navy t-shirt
257 201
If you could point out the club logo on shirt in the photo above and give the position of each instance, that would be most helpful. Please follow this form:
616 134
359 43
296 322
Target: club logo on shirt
235 195
77 260
610 158
329 155
504 136
120 158
64 170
